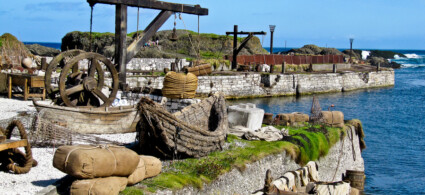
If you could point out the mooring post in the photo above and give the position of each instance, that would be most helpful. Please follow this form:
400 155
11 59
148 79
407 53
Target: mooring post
334 68
283 67
271 68
378 67
235 47
120 41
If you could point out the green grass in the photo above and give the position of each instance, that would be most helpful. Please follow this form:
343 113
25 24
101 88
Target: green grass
304 144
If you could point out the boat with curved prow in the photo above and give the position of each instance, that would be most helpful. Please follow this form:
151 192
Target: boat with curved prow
90 120
195 131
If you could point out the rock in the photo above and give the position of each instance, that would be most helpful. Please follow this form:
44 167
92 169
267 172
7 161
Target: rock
384 54
357 54
40 50
374 61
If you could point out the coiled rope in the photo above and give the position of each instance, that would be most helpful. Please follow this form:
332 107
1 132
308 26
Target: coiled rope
24 162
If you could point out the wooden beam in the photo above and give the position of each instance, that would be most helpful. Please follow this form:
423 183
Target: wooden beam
246 33
244 42
150 30
9 144
153 4
120 41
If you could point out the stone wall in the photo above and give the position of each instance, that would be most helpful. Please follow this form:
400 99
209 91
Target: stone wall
254 84
341 157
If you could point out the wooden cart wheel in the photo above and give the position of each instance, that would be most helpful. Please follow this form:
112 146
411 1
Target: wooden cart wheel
55 65
84 87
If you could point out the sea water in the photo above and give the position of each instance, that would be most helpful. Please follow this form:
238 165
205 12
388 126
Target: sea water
394 123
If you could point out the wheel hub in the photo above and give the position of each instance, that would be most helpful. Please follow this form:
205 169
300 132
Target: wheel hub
89 83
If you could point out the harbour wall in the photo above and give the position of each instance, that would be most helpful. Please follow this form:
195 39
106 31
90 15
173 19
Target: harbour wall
264 84
344 155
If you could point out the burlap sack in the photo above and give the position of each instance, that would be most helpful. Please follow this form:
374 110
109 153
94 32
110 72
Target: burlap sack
107 185
333 118
139 174
300 117
268 118
84 162
153 166
284 119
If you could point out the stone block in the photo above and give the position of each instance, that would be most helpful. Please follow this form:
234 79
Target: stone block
246 115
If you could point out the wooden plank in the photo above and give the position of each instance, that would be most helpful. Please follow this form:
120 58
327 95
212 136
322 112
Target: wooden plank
150 30
8 144
153 4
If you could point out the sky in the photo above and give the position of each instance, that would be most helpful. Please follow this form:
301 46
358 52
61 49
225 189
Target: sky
373 24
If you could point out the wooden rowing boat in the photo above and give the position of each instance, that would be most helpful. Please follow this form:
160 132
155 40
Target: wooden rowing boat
90 120
195 131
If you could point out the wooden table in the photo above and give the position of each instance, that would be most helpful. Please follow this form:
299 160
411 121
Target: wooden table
9 144
26 81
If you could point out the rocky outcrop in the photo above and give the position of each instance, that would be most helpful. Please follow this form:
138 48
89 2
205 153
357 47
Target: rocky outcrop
12 51
188 44
356 53
315 50
375 61
40 50
384 54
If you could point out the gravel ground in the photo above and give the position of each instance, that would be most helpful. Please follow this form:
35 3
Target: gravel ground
44 173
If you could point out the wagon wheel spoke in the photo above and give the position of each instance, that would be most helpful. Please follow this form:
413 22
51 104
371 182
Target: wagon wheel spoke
92 69
75 89
101 95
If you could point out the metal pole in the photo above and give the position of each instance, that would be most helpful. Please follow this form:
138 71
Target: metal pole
271 42
351 49
235 47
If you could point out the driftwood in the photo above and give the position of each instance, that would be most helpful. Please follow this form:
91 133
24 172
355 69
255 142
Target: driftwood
194 131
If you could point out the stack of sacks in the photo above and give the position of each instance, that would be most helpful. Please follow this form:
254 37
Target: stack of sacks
291 119
148 166
333 118
103 168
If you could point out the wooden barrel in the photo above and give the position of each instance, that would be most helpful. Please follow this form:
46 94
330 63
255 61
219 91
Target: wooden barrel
356 179
268 118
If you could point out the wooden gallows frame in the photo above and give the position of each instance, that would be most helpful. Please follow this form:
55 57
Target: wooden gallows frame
123 55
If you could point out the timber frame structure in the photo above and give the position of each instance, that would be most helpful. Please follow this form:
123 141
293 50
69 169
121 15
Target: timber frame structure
123 55
237 49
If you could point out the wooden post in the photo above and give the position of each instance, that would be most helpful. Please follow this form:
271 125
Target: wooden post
43 63
235 46
334 68
120 41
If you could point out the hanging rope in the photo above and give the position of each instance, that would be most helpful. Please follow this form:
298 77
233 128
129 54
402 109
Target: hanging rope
190 39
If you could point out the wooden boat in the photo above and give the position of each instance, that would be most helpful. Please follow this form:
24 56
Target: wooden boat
195 131
90 120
